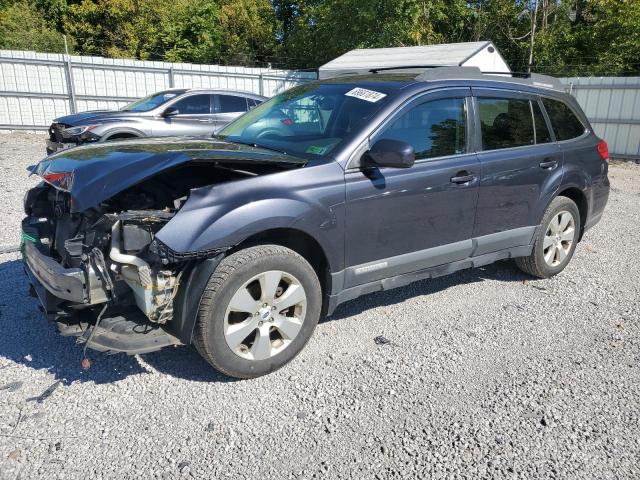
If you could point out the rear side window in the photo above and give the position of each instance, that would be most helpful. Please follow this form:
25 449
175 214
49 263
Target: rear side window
564 122
505 123
231 104
434 129
252 102
542 131
193 105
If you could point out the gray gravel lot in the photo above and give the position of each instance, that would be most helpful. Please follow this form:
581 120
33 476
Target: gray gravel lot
488 374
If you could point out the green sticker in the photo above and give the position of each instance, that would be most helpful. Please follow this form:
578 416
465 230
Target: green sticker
28 238
316 150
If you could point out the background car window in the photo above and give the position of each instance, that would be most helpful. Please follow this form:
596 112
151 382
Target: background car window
564 122
231 104
505 123
434 129
542 131
193 105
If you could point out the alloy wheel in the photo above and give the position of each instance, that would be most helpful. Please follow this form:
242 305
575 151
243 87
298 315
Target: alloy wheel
559 238
265 315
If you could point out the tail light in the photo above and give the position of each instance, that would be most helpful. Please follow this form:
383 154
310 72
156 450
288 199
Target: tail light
603 150
60 180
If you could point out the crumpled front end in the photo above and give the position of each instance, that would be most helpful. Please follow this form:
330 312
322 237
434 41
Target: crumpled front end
90 241
80 264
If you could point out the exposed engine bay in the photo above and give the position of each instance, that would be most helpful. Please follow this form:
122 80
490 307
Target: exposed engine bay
111 247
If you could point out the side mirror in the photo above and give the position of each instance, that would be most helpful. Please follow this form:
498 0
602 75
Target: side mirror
390 153
170 112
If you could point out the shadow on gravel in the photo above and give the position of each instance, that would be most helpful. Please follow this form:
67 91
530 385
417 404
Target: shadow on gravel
505 271
28 339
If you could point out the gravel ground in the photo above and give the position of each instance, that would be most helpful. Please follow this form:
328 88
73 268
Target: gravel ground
487 374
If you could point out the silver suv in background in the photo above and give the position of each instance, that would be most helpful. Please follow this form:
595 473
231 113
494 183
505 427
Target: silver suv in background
175 112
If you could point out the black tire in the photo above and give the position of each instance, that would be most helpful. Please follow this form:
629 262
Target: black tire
232 273
535 263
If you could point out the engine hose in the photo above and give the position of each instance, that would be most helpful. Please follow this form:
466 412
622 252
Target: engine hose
144 271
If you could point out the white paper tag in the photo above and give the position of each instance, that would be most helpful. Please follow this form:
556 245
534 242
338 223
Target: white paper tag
364 94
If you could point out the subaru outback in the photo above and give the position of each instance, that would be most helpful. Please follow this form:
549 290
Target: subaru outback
239 243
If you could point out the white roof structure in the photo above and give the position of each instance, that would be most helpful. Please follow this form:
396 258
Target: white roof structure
483 55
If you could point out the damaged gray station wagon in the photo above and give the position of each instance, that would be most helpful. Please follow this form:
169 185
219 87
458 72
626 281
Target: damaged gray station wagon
334 189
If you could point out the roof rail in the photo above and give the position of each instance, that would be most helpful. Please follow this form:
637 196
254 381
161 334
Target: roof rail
467 73
406 67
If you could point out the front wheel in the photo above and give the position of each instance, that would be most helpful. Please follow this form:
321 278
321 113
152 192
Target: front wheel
555 240
258 311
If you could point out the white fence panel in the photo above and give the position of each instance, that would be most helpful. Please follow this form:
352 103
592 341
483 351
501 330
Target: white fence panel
612 105
37 87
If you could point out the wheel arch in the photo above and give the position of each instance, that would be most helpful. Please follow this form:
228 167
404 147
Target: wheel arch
580 199
300 242
196 275
121 133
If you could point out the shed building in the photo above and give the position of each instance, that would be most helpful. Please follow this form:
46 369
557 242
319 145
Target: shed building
483 55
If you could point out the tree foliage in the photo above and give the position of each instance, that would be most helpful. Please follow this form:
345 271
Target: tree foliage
569 36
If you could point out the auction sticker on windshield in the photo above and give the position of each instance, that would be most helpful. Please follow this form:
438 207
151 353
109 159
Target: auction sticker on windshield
364 94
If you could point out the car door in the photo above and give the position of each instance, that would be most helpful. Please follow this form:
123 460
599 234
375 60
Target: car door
227 108
521 167
405 220
191 117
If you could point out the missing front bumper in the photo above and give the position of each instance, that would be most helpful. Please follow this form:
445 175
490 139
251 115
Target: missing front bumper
74 285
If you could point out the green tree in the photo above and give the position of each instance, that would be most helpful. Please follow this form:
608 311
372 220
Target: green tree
248 29
23 27
190 33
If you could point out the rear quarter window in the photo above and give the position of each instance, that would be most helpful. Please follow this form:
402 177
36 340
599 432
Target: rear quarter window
564 122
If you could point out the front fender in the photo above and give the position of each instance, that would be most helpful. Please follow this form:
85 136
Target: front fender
310 200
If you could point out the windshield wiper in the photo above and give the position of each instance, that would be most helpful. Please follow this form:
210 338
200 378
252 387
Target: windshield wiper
257 145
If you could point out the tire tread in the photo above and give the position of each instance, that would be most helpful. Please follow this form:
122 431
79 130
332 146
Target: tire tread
532 264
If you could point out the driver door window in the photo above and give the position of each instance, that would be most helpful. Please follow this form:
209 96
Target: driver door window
434 129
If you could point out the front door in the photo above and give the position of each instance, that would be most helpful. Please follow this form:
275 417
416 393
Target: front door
406 220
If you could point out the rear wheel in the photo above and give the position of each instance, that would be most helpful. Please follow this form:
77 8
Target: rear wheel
555 241
258 311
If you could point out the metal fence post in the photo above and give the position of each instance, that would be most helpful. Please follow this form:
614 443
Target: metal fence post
172 81
261 84
70 89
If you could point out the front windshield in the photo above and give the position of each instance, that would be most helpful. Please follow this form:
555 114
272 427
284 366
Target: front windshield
309 120
152 101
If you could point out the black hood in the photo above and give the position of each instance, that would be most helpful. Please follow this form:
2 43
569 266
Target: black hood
102 170
95 116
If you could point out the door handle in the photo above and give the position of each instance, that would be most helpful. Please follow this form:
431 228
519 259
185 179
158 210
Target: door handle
548 164
463 177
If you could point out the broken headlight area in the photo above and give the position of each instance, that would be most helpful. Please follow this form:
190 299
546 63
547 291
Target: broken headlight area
99 256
